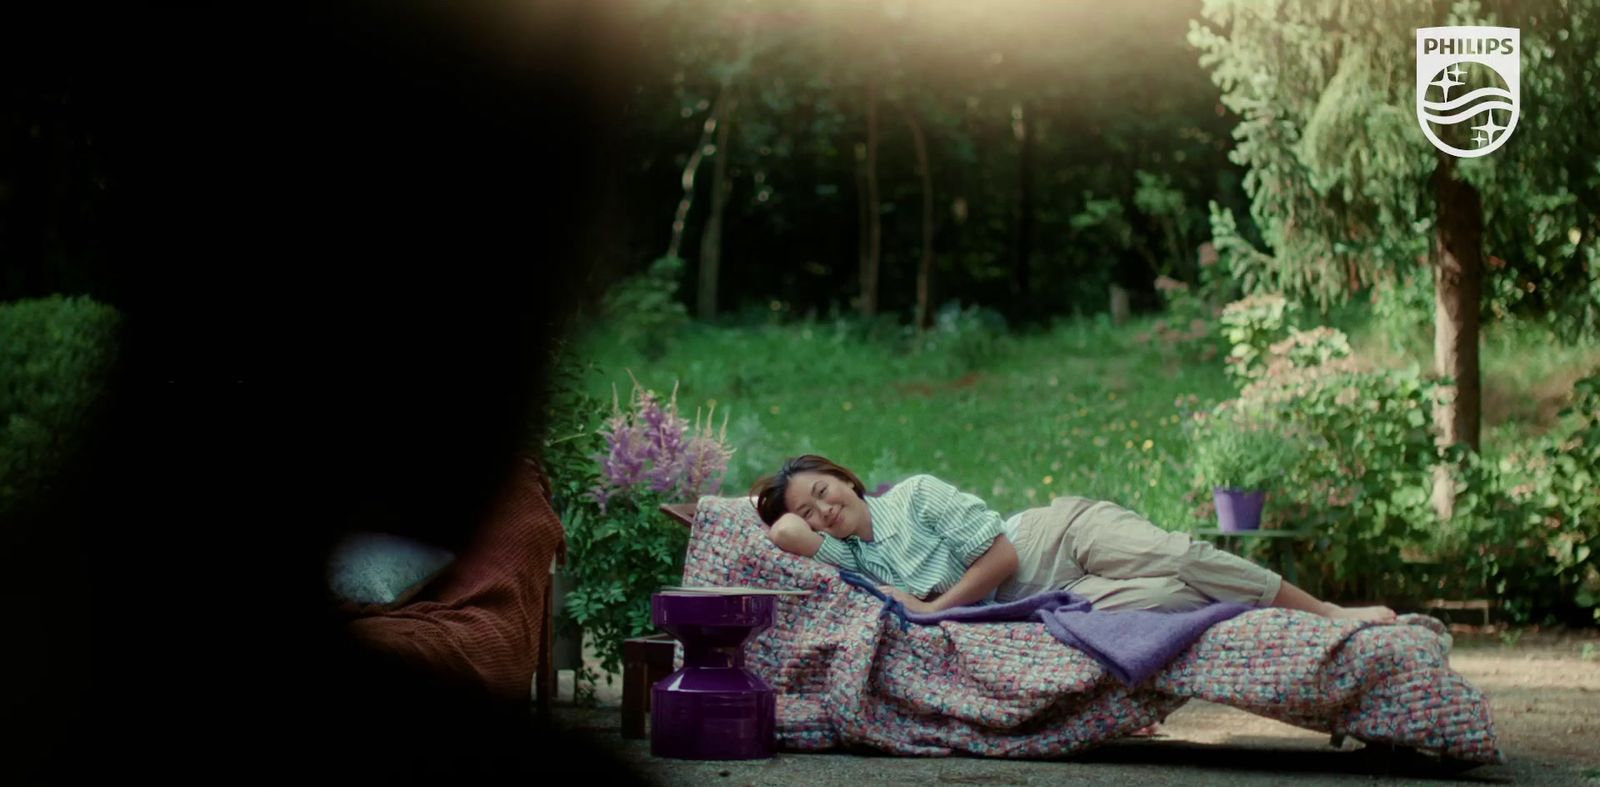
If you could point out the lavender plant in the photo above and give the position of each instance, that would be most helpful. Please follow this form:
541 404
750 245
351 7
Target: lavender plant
620 548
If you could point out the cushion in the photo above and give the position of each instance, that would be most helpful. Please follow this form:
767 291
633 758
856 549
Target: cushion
383 569
481 623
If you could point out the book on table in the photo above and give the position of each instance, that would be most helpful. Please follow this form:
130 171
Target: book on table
733 590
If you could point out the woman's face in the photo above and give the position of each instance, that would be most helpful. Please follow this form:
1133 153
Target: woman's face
827 503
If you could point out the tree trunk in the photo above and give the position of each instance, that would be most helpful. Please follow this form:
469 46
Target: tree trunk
1169 228
869 267
1022 247
1458 290
711 237
681 218
863 216
924 316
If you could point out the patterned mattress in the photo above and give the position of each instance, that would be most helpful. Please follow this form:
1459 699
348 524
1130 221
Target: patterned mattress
846 675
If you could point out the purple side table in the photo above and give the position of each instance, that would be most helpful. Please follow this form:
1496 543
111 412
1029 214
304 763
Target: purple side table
713 708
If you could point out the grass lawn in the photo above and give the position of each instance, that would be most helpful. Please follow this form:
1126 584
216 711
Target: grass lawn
1083 408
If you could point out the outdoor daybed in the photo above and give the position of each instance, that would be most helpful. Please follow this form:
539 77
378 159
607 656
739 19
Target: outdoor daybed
847 675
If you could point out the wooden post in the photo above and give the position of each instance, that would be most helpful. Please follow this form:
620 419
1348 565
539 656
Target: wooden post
645 661
1120 307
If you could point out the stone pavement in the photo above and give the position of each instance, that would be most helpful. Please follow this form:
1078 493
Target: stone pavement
1201 743
1545 695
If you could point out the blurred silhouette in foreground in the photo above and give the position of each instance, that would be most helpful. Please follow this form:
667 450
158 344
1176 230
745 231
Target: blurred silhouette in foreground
344 242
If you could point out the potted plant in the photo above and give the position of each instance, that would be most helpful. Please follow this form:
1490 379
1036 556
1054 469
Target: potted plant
619 548
1239 458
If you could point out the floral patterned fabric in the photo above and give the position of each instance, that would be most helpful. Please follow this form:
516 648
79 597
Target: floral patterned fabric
846 675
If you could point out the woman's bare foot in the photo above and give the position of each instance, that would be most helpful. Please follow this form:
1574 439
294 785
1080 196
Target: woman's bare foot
1380 614
1147 731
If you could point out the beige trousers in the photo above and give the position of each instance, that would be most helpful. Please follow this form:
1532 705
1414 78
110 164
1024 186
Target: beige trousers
1118 560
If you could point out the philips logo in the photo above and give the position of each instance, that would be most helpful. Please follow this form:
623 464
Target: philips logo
1468 81
1468 46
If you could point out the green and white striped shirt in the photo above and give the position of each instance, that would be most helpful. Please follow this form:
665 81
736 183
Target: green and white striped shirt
925 534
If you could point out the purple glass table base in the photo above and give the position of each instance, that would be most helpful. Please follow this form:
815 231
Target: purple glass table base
713 708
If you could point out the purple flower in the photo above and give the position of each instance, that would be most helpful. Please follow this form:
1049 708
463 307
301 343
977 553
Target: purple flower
650 447
600 496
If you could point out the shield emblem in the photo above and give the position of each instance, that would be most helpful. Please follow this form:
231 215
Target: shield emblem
1468 87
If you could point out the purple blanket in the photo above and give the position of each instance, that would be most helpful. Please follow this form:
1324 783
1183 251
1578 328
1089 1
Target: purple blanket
1132 645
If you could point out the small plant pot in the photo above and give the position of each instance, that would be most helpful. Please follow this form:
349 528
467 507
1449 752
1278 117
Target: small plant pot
1238 509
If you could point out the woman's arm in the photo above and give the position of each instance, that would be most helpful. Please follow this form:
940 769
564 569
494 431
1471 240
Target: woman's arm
984 575
793 535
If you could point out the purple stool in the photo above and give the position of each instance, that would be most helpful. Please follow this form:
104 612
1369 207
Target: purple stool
713 708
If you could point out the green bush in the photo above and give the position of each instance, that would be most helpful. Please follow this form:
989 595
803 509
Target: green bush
644 310
1187 326
967 338
56 356
851 329
1523 527
1526 526
615 473
1251 326
1402 308
1308 349
1364 478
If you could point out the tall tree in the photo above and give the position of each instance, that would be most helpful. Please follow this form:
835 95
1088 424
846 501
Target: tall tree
923 317
868 160
680 218
1343 181
728 72
711 236
1022 246
1134 102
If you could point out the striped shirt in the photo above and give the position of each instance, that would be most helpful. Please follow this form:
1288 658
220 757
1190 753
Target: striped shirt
925 535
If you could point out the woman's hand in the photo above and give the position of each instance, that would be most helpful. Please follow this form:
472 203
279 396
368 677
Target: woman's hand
912 603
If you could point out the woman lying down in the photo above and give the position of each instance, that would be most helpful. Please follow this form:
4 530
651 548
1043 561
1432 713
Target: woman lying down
935 547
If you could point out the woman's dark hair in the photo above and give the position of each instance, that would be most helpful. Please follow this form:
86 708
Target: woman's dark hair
769 491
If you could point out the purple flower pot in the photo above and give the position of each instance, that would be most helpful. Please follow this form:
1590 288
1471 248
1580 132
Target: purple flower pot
1238 509
713 708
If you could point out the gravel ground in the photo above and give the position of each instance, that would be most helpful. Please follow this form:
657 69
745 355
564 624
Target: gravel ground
1544 690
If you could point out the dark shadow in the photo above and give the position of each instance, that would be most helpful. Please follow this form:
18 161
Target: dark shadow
1260 754
344 238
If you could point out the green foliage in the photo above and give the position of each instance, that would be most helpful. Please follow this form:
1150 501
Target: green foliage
1337 168
1253 270
616 474
1135 127
1527 527
1362 481
1251 326
1316 347
645 308
617 559
1235 451
56 357
1341 181
968 338
1403 308
1541 191
1087 408
1187 325
570 441
1076 404
1523 527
